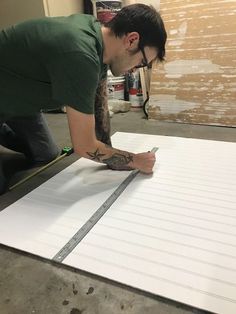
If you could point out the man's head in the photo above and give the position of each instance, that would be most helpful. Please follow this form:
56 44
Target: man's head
140 38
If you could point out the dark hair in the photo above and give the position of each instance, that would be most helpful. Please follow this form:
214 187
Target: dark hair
146 21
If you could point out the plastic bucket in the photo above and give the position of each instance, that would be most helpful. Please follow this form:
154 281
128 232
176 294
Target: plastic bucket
107 9
116 87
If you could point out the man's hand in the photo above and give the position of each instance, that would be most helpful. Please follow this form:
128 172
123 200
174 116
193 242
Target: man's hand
144 162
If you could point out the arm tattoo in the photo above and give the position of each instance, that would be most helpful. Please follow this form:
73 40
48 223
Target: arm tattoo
118 161
102 118
96 156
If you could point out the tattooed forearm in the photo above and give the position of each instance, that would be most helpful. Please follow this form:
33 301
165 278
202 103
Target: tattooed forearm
119 161
102 118
96 156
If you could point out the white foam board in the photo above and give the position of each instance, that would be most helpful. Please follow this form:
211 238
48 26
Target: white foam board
171 234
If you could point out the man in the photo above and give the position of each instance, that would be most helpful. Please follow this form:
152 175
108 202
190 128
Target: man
51 62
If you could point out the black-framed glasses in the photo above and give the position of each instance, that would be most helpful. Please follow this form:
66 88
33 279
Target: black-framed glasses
144 62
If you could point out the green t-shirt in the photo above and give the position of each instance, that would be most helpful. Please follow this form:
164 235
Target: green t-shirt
50 62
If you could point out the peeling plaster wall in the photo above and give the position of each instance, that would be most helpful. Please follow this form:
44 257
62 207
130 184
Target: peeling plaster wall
197 83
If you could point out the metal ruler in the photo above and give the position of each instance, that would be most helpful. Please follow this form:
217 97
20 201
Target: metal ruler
81 233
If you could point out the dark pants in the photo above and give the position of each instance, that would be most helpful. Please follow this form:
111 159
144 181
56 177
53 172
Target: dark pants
30 136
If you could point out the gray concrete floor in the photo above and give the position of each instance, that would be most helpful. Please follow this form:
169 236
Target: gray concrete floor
29 284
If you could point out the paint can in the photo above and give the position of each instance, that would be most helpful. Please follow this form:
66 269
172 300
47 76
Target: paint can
107 9
135 90
115 86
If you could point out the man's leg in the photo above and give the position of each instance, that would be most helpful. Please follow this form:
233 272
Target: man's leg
31 136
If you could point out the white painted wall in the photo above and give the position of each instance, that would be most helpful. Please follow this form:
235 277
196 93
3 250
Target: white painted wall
63 7
14 11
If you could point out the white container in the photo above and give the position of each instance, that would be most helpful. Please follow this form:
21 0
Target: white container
136 101
116 87
107 9
135 90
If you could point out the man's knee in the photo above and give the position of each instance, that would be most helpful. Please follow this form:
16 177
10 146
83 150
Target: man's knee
39 145
47 154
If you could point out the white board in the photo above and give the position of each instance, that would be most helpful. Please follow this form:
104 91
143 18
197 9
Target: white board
171 234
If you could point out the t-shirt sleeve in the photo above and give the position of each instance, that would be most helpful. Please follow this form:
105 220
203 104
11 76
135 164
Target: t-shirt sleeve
74 79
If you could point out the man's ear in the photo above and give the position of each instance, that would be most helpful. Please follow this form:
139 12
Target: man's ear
132 41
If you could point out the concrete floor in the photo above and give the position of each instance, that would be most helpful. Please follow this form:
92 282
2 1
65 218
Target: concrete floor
29 284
